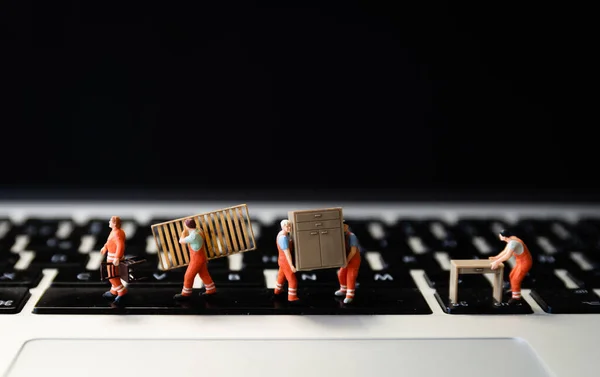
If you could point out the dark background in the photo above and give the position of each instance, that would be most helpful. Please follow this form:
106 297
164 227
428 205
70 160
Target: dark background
331 97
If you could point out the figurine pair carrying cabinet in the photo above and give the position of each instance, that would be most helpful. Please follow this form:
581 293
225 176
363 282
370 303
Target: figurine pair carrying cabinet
317 239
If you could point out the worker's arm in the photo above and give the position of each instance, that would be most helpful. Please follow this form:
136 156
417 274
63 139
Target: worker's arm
185 238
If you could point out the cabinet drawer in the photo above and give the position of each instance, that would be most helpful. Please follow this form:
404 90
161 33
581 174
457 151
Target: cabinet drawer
316 225
317 215
477 270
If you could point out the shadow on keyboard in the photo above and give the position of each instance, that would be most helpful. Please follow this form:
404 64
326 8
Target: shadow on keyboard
565 269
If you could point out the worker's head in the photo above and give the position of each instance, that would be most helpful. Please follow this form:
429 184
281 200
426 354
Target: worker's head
190 223
115 222
285 225
504 234
346 227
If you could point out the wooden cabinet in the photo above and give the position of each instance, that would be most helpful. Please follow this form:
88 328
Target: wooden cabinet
318 238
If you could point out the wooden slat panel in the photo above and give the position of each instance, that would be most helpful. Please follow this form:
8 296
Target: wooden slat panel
244 228
175 240
233 238
221 241
209 246
184 248
228 250
165 259
251 228
238 230
215 243
158 245
224 232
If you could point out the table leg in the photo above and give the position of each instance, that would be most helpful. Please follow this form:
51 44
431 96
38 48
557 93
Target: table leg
453 285
498 280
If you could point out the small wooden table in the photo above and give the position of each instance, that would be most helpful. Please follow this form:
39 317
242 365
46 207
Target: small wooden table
475 266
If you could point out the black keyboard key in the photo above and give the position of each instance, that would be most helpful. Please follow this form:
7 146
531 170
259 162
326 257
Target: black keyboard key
408 234
592 256
221 263
540 279
59 260
6 245
232 301
442 236
481 233
393 260
54 245
588 233
545 262
479 301
383 279
159 278
245 278
542 237
44 228
7 234
78 277
20 278
257 259
12 299
318 278
8 258
567 301
369 301
441 280
589 279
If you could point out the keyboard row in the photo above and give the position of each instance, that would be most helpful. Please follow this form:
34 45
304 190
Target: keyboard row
560 249
390 291
466 237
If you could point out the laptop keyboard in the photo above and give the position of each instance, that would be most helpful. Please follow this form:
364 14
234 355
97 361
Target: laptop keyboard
565 273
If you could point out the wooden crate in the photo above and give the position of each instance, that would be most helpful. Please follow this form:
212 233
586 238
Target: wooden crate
225 231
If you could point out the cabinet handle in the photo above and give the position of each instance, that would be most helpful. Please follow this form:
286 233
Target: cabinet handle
314 233
318 224
318 215
323 232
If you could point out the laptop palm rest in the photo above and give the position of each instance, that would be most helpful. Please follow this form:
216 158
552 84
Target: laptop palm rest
276 358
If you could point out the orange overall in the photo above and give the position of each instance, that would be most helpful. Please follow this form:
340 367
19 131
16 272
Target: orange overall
115 246
523 264
347 275
198 266
285 272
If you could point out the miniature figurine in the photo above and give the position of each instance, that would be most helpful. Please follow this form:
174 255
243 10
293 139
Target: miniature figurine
115 246
347 275
523 262
198 261
286 267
